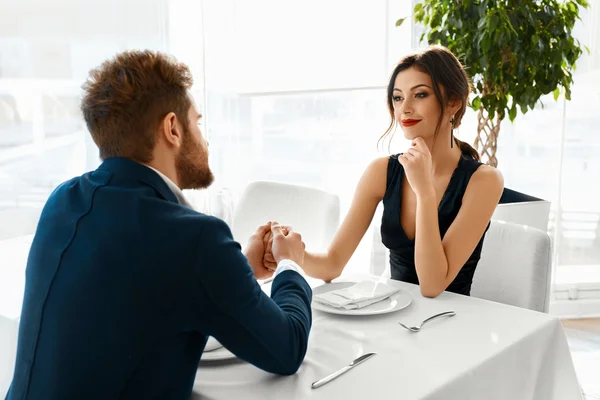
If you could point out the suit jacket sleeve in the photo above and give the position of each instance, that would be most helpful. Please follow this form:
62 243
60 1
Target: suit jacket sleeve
268 332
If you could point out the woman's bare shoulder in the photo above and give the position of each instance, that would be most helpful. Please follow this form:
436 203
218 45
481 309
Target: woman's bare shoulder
374 178
487 176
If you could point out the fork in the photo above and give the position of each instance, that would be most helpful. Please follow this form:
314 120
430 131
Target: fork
436 316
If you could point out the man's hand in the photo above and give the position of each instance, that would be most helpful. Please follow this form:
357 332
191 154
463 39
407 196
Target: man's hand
268 259
255 252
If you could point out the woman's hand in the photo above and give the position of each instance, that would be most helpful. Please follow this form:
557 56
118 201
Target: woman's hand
418 167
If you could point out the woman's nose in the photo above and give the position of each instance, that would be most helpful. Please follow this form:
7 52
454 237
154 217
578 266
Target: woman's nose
406 107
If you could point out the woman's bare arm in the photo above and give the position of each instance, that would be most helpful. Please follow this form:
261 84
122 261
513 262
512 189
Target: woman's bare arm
369 192
438 261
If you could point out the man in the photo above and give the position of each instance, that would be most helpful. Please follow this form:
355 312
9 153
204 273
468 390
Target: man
124 281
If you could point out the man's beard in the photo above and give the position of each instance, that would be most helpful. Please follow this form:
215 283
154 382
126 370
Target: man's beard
193 171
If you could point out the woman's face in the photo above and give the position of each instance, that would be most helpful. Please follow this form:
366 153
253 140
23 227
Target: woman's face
416 109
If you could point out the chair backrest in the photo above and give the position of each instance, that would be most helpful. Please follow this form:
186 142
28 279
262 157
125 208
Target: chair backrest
314 213
515 266
8 351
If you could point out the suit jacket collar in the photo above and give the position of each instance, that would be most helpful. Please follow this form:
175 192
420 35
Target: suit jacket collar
135 170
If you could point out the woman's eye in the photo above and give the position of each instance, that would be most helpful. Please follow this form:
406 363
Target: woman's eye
397 98
421 95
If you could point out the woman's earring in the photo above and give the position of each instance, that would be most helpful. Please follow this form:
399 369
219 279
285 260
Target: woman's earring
452 133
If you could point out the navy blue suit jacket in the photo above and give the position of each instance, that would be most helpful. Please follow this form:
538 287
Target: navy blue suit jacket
124 285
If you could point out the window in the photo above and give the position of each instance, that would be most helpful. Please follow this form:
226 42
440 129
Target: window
291 91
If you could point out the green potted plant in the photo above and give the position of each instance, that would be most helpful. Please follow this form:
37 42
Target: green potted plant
516 51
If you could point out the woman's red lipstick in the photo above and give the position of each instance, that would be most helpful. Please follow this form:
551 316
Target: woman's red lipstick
410 122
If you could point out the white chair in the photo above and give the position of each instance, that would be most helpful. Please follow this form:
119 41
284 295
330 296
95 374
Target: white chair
313 213
8 351
515 266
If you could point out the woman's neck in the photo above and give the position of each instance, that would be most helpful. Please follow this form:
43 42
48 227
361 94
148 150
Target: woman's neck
443 157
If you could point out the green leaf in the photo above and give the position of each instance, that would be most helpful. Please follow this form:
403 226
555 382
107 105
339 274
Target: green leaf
418 7
481 22
400 21
556 93
482 9
523 108
436 20
493 23
476 103
486 44
587 49
458 23
483 62
512 113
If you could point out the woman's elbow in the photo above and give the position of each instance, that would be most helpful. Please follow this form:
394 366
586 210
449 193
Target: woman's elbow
334 270
430 292
332 274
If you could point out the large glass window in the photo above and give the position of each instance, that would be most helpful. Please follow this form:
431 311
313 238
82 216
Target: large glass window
46 51
292 91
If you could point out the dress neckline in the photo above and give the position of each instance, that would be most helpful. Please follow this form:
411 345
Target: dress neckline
451 183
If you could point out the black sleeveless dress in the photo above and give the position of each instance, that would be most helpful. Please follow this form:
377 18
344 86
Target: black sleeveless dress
402 249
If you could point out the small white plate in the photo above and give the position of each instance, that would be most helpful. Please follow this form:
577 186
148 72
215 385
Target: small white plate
216 355
394 303
215 351
212 344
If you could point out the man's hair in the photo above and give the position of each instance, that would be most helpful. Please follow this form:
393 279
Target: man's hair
126 98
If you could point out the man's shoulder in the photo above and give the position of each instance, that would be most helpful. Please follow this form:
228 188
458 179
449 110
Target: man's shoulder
90 180
206 225
188 224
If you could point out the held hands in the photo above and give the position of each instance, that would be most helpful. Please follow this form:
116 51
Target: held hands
418 167
270 244
268 259
282 243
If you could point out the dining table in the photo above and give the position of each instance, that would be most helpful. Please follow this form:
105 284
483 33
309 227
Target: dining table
486 350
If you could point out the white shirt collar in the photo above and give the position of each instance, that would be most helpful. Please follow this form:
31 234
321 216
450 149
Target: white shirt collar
174 188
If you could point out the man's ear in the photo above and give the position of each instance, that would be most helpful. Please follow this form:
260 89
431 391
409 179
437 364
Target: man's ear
170 130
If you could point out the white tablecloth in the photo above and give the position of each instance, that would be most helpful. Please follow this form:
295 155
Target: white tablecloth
487 351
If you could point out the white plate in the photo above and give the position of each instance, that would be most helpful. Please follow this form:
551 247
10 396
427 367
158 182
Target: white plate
214 351
216 355
394 303
212 344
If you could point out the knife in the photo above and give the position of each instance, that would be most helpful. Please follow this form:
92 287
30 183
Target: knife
347 368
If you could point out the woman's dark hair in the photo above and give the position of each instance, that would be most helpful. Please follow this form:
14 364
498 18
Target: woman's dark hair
445 71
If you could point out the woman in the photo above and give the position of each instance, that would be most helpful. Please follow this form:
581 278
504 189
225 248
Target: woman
438 198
